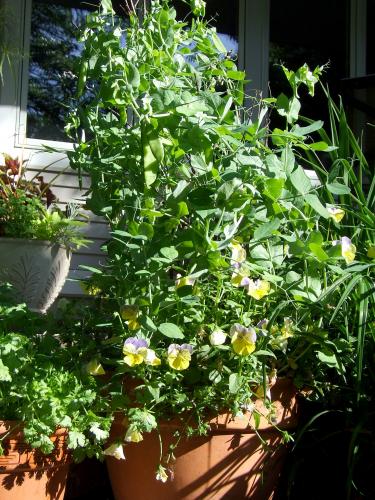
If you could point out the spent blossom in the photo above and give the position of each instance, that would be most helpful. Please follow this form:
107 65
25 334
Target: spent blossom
115 450
218 337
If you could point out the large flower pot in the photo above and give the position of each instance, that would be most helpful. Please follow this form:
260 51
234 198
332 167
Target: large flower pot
230 462
36 269
28 474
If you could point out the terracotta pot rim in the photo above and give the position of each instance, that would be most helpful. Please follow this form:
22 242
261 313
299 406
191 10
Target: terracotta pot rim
225 422
6 426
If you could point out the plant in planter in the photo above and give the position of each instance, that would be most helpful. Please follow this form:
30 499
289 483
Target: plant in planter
36 238
221 255
339 428
50 405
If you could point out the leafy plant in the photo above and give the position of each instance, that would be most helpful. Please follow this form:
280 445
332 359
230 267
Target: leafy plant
224 253
46 381
27 210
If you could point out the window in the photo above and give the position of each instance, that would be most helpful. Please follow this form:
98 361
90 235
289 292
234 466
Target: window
317 35
54 50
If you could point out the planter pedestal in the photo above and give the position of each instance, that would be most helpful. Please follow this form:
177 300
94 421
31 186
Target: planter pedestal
228 463
27 474
36 269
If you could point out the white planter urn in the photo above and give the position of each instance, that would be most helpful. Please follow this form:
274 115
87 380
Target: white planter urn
36 269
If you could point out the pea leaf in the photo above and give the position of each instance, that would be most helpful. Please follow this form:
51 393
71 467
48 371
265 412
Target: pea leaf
337 188
171 331
266 229
169 253
300 180
315 203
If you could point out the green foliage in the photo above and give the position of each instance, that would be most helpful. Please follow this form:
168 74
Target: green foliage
43 380
220 239
26 210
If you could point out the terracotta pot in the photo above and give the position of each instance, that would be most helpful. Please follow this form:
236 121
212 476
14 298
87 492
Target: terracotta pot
28 474
36 269
228 463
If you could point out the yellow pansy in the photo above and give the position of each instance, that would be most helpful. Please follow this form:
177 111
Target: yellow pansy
179 356
93 367
135 351
238 254
239 275
151 358
243 339
348 250
185 281
130 314
256 288
335 213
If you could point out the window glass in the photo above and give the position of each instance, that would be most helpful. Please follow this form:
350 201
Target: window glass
223 15
54 49
370 53
316 33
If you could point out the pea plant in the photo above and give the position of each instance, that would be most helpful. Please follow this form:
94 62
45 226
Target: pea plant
223 249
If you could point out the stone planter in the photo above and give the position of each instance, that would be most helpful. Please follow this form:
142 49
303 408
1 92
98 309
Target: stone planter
231 462
36 269
28 474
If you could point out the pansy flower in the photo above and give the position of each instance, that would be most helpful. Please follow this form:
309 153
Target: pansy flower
115 450
256 288
94 367
243 339
348 250
262 325
185 281
136 351
130 314
179 356
238 254
239 274
336 213
151 358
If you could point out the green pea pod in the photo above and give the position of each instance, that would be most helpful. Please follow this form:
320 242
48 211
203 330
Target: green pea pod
82 78
153 154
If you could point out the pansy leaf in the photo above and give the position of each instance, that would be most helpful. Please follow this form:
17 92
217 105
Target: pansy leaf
171 331
235 381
